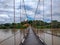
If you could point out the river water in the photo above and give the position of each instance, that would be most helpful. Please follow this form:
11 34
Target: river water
48 38
7 37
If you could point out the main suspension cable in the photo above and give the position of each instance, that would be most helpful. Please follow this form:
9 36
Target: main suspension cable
14 22
36 8
51 21
35 13
20 23
25 9
43 20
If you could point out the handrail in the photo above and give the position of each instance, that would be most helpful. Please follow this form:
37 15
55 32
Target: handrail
8 37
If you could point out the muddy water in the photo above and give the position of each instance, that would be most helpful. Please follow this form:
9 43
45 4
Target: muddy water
48 38
7 37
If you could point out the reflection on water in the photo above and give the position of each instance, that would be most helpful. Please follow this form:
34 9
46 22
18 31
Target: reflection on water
6 30
43 34
4 34
7 36
50 39
55 32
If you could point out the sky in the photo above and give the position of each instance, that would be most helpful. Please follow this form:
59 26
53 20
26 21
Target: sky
28 13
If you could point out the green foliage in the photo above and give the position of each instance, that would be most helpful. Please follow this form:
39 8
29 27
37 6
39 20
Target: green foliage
42 24
13 25
36 24
55 24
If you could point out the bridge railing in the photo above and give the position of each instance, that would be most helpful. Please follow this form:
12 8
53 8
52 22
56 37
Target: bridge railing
49 38
15 39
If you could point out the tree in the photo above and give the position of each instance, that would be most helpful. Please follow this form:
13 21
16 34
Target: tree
54 24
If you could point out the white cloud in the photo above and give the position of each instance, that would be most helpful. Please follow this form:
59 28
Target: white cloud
4 16
7 10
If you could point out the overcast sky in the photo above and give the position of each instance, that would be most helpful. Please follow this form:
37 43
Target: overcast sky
7 10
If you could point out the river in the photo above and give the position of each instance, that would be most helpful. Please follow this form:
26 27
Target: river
7 37
48 38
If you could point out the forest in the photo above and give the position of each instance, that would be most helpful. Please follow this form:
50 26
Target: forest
36 24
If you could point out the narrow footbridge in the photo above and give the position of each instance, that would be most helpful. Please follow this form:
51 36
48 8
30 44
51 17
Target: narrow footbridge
32 39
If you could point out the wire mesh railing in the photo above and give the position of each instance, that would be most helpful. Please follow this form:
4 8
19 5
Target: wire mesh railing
49 36
19 37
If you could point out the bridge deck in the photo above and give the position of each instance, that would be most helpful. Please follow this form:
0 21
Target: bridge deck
32 39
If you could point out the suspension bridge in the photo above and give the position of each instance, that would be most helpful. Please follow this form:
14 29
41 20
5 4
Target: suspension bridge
32 39
30 35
